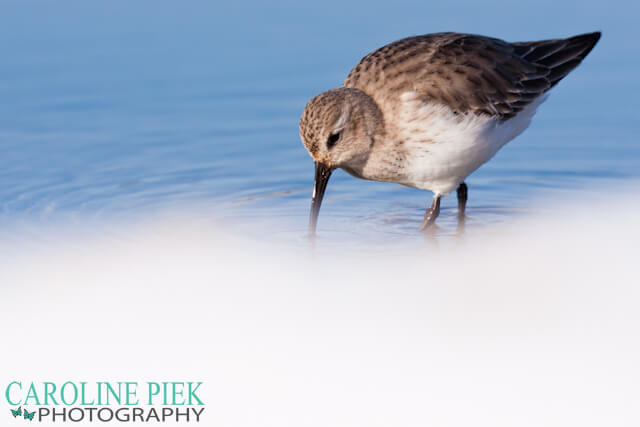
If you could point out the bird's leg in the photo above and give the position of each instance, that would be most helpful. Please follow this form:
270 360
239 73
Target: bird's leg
431 214
462 204
462 200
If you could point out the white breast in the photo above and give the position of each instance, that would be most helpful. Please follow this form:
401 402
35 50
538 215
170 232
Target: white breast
444 148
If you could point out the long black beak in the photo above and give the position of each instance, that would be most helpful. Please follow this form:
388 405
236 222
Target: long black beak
323 172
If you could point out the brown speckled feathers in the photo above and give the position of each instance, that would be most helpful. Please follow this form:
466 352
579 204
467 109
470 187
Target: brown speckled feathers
469 72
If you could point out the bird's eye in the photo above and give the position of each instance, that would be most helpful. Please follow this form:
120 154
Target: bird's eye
333 138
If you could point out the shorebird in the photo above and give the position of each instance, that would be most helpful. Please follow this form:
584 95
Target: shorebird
427 111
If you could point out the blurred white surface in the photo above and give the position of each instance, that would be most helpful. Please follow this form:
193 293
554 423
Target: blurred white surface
531 324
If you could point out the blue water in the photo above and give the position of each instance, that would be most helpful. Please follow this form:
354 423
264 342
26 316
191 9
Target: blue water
120 109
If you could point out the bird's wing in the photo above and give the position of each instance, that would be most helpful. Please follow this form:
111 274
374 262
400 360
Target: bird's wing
469 73
560 55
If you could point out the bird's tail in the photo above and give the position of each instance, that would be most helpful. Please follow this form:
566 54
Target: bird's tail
560 55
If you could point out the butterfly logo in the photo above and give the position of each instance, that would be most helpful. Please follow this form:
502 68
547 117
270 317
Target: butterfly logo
29 415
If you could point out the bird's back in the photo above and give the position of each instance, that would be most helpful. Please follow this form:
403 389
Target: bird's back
468 73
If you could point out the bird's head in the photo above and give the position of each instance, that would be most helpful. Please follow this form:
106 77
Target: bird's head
338 128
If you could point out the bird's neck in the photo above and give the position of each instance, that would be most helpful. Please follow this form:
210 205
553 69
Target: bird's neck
382 163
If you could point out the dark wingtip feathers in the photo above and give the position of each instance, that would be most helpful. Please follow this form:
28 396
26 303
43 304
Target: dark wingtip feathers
585 41
589 40
578 47
560 56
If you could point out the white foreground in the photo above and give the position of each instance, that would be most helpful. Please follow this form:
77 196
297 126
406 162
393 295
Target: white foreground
532 324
